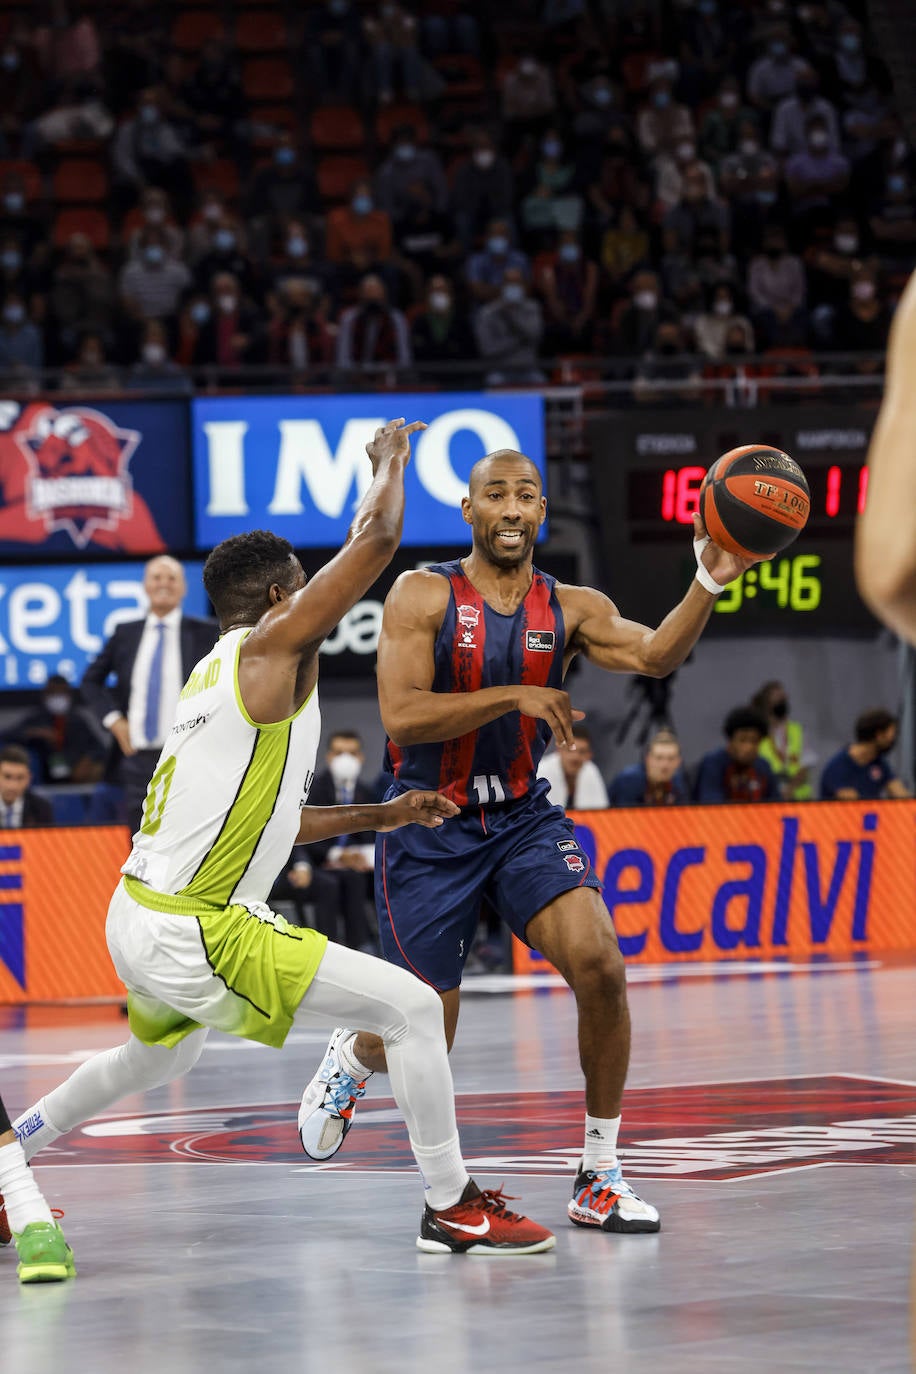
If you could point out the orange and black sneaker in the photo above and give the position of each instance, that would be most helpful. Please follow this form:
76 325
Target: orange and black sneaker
603 1198
480 1223
6 1234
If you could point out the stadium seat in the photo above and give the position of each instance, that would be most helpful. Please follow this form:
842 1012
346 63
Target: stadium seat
93 223
336 176
78 180
337 128
220 174
192 28
261 31
31 177
267 79
390 116
463 76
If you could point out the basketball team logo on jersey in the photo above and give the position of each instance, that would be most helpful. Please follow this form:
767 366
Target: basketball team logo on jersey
574 862
469 618
77 479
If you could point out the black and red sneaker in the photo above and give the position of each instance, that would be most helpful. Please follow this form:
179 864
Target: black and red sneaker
480 1223
6 1234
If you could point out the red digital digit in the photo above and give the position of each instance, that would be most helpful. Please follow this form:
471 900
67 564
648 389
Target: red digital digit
687 494
834 483
669 482
863 490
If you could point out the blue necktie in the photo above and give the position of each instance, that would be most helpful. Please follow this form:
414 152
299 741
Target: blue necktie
154 689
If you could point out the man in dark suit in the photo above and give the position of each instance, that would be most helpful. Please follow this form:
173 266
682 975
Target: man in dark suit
150 660
340 871
20 808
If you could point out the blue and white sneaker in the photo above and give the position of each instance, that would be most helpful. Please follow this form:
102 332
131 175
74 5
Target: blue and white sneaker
603 1198
328 1103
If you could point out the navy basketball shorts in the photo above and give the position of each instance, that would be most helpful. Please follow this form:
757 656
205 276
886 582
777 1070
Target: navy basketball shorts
430 884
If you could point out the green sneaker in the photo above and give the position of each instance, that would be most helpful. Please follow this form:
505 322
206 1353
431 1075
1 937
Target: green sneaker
44 1255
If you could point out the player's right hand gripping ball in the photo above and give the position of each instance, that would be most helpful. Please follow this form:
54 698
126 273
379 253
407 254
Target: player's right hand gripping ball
754 501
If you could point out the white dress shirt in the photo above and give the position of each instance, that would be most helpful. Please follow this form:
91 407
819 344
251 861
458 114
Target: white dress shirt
11 814
590 794
171 679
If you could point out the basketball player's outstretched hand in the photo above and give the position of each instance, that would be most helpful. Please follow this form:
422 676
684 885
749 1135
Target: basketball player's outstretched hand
554 706
417 808
722 566
392 441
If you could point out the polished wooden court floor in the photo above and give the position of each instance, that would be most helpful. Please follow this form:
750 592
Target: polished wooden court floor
771 1116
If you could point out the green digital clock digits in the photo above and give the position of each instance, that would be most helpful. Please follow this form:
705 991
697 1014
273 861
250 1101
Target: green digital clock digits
793 581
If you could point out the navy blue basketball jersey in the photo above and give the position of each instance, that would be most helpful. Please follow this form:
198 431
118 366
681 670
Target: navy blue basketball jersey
478 647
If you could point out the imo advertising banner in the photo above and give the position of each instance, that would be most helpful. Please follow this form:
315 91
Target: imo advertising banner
55 618
109 477
55 886
710 882
297 464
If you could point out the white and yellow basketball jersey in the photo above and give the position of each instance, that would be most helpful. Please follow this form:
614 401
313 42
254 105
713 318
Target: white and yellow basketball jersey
222 808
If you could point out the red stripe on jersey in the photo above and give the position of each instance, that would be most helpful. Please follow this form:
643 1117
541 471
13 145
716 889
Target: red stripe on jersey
467 676
537 614
397 758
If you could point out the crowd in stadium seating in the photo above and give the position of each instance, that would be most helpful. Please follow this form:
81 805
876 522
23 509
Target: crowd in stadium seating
332 186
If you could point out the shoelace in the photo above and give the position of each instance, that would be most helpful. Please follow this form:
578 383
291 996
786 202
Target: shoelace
343 1090
494 1200
612 1180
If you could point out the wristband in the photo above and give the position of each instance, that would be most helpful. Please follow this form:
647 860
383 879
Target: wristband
704 577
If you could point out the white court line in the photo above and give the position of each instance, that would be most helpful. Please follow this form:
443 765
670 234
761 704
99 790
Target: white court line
660 973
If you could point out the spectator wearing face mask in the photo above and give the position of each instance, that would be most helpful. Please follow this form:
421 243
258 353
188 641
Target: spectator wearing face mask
211 210
21 342
293 258
662 123
861 771
285 188
552 203
156 214
832 260
657 780
508 332
720 320
439 332
851 65
372 331
893 219
721 129
227 252
740 169
407 163
527 95
63 741
776 72
15 273
17 220
231 335
486 270
816 175
483 189
195 313
358 237
672 171
665 376
789 128
863 322
148 150
567 282
337 875
155 370
633 331
784 745
151 284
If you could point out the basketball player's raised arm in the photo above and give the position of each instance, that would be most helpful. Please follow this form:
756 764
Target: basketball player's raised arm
414 714
624 646
886 533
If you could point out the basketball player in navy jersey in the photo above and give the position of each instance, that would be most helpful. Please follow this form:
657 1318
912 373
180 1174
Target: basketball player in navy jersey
471 662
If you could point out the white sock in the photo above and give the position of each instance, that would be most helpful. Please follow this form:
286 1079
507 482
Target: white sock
24 1202
600 1142
444 1175
347 1056
35 1129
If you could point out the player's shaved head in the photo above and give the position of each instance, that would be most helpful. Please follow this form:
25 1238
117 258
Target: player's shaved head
494 467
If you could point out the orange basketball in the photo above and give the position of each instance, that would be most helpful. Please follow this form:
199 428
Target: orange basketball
754 501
